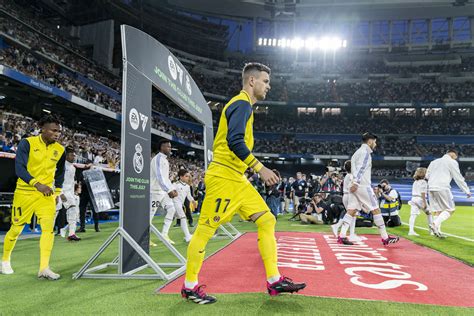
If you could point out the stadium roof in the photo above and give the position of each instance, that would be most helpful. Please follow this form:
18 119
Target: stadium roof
317 9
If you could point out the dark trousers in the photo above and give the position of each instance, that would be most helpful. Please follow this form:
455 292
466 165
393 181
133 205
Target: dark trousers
85 200
61 219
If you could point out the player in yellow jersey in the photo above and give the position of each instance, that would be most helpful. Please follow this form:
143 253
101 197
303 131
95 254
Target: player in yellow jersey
39 165
228 191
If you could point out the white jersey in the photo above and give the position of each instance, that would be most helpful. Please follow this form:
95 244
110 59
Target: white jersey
419 187
184 191
442 171
160 174
69 174
347 183
361 166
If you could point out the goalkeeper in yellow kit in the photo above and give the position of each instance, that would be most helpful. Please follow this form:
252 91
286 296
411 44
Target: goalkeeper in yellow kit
228 191
39 165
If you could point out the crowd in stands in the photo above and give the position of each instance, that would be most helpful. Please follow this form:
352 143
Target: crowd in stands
277 123
22 24
90 148
344 65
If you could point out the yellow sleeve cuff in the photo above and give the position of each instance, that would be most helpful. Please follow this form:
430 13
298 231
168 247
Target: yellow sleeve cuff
33 182
253 163
58 191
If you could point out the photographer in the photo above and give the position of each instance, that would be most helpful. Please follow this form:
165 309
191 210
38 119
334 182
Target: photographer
389 204
313 212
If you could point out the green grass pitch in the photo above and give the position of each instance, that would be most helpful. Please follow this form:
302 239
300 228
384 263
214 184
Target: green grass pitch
21 293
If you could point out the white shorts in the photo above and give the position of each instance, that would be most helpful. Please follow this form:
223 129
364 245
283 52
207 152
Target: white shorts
71 201
160 199
362 199
416 203
442 201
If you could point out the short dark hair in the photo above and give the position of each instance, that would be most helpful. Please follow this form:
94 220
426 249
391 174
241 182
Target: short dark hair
49 118
161 142
384 181
70 149
366 136
347 165
249 67
182 172
452 150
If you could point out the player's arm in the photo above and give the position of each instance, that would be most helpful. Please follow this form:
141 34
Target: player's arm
237 115
189 196
458 178
21 163
360 166
162 175
59 175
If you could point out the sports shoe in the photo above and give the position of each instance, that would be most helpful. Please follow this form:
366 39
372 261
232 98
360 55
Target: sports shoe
167 238
62 232
354 238
188 239
284 285
413 234
6 267
435 230
390 240
152 244
335 228
344 241
48 274
73 238
197 295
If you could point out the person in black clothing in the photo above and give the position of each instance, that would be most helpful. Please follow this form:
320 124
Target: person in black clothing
299 190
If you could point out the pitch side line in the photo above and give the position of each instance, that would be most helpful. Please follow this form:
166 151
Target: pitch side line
450 235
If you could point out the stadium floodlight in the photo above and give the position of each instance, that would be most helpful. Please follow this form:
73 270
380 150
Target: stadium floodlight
330 43
297 43
325 43
310 43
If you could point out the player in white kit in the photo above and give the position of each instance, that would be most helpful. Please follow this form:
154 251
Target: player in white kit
162 191
418 202
440 173
184 191
345 201
361 195
68 199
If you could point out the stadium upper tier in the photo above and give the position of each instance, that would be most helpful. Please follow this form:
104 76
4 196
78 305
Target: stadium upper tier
34 48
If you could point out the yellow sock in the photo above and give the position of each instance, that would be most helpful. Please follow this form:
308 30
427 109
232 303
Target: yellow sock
10 241
46 241
196 251
267 244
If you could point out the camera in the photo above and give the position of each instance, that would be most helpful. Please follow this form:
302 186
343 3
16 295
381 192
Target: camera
333 167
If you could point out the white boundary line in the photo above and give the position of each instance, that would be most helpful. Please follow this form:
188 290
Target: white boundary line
450 235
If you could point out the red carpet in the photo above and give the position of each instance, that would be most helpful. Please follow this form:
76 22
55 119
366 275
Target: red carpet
404 272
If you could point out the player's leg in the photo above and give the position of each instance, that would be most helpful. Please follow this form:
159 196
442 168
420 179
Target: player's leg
219 191
253 207
45 209
352 235
444 202
183 223
352 205
414 212
72 215
22 212
170 210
